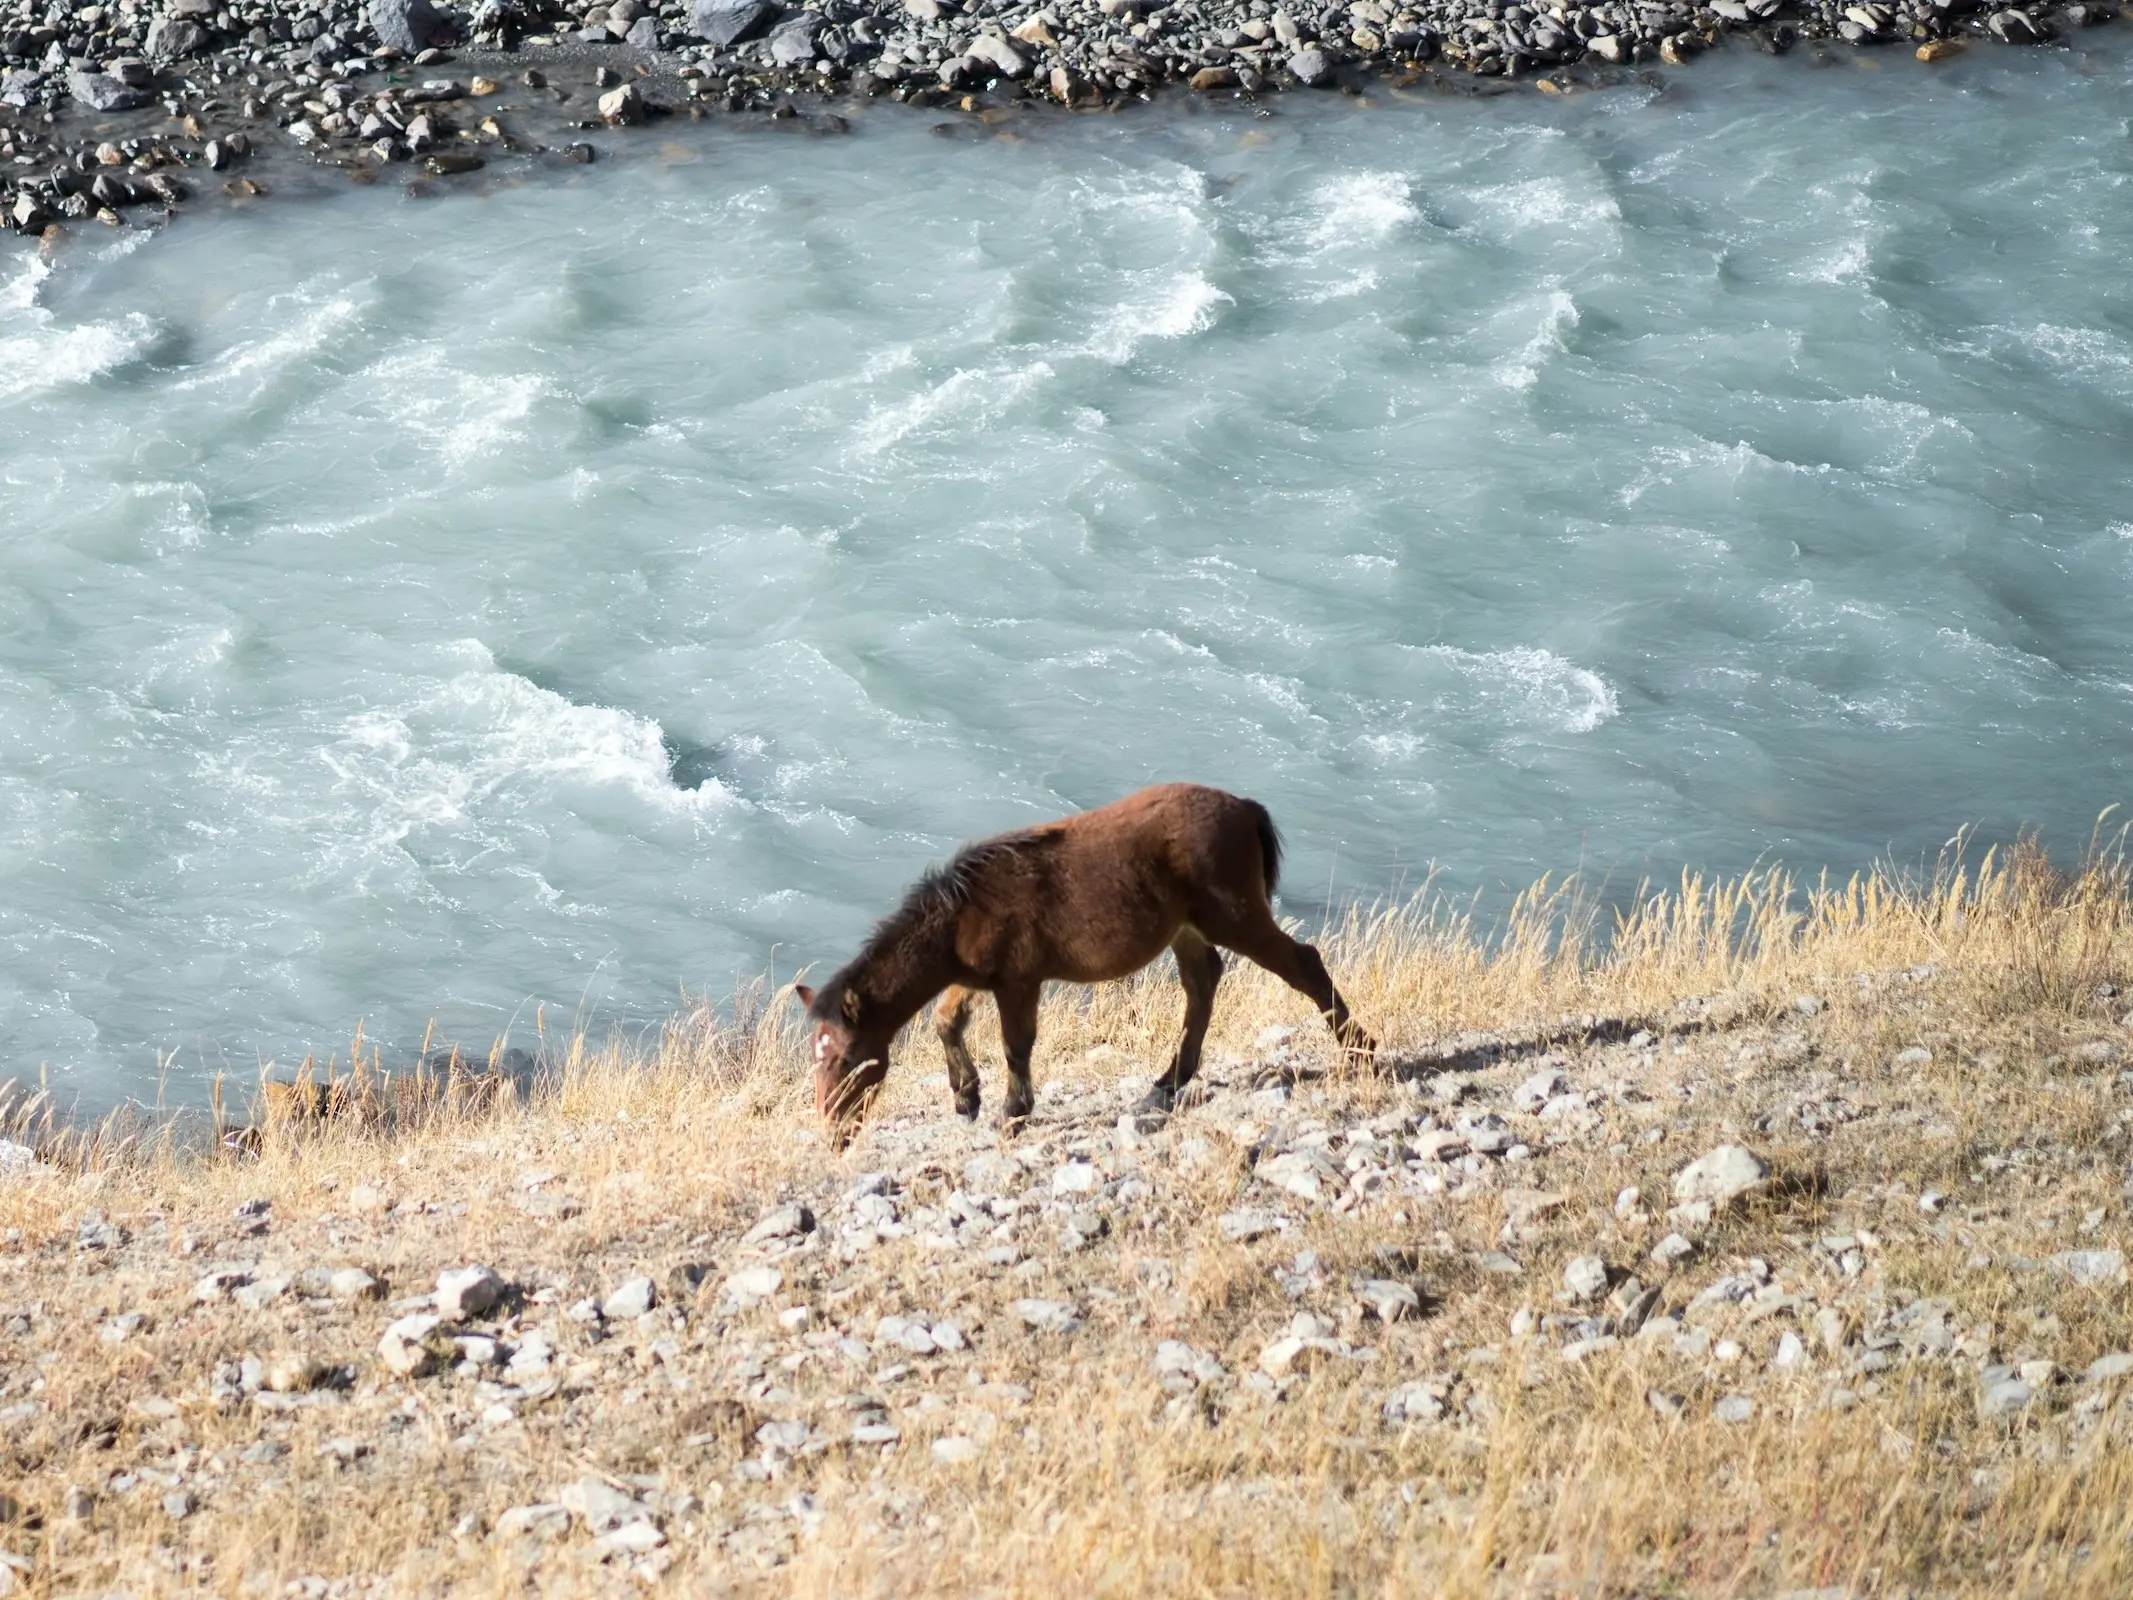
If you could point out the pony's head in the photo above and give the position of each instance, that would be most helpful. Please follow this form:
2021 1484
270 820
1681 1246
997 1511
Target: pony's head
849 1058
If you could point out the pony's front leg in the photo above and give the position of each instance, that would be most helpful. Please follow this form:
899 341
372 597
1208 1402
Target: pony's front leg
1018 1037
951 1018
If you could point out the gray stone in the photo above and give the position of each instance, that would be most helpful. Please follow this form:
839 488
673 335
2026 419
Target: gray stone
1313 68
1389 1300
406 25
542 1520
1733 1408
792 42
99 91
1538 1090
2091 1267
726 23
632 1298
1721 1176
1244 1226
998 53
788 1221
753 1285
643 33
169 39
353 1283
1048 1316
2108 1369
2005 1398
600 1505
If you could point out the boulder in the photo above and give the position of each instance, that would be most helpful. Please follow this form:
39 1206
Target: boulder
99 91
997 53
1312 68
406 25
730 22
171 37
792 42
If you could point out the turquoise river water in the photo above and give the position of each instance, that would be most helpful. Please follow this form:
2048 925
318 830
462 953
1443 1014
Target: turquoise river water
614 585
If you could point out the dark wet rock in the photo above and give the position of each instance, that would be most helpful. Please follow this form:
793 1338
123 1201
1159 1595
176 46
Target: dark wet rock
792 42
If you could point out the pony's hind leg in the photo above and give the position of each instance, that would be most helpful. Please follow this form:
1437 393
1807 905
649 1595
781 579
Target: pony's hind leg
951 1019
1261 940
1018 1036
1200 971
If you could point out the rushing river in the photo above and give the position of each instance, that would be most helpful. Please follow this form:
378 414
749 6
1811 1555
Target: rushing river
622 583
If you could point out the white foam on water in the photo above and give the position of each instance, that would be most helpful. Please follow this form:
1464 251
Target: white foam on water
1559 314
488 740
300 325
1188 304
37 355
1534 686
461 414
1505 210
964 399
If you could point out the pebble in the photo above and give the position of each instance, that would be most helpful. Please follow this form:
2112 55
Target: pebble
954 1451
292 1372
1733 1408
1242 1227
2005 1397
788 1221
751 1286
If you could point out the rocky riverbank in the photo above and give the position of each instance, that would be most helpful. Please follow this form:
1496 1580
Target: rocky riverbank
109 110
1793 1266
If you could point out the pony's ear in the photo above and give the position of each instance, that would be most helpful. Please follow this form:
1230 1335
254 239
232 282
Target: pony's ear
850 1007
807 995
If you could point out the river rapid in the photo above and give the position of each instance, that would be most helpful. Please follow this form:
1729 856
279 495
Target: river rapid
555 598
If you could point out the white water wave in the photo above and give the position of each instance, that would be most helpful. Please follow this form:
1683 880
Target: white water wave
1186 305
38 354
965 397
1559 314
488 739
1530 685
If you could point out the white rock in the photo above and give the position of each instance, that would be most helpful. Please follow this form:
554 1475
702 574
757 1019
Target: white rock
1245 1226
1585 1277
2005 1398
1721 1176
220 1285
262 1292
631 1299
1048 1316
1733 1408
632 1539
1076 1177
753 1285
1791 1353
18 1160
948 1336
1389 1300
954 1451
292 1372
600 1505
467 1292
1538 1090
544 1520
368 1200
1294 1354
1916 1056
795 1319
997 52
353 1283
2090 1267
1302 1173
404 1345
788 1221
2107 1369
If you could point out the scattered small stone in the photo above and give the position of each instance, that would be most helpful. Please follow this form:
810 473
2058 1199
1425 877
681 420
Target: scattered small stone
405 1348
1048 1316
1585 1277
292 1372
632 1299
1733 1408
789 1221
954 1451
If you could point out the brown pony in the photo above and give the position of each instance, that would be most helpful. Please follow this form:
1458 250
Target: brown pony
1082 900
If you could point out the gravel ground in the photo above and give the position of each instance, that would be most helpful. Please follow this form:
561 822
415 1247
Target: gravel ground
131 108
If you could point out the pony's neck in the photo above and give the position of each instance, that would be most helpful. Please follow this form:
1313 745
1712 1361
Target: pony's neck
897 979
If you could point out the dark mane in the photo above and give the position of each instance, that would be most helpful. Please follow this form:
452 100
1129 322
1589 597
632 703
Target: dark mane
941 891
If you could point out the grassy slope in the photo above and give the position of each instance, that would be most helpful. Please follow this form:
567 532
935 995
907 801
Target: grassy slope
1868 1469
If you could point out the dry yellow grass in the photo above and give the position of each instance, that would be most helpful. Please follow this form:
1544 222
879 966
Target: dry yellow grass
1958 1034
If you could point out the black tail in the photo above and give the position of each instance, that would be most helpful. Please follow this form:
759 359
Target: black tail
1269 845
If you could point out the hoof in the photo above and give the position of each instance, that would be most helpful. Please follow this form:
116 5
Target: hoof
1159 1099
967 1110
